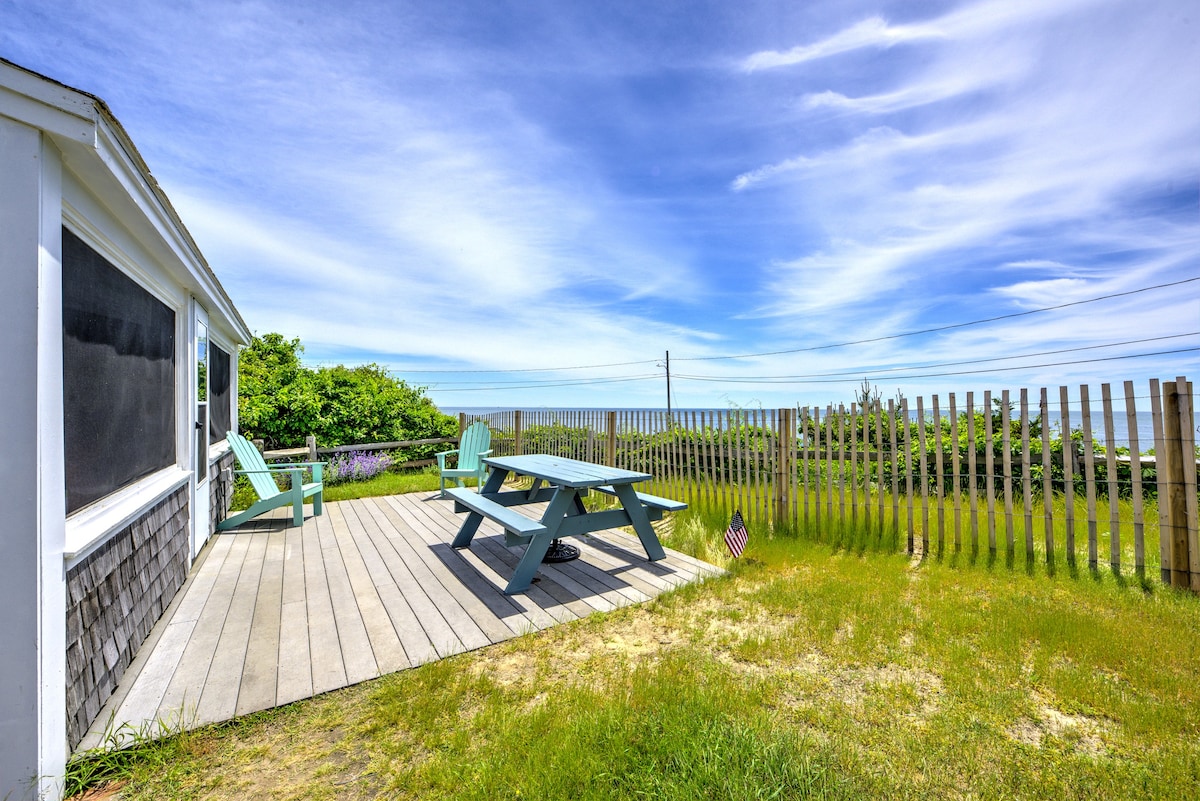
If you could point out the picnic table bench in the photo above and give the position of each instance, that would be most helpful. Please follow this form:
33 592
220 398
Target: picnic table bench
563 483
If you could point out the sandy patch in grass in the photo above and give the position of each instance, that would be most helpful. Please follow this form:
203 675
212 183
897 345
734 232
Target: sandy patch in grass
1082 733
635 635
574 654
718 626
852 686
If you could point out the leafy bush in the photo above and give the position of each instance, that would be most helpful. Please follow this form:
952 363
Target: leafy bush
281 401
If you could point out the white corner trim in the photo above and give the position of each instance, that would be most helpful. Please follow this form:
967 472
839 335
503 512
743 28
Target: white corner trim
94 525
23 100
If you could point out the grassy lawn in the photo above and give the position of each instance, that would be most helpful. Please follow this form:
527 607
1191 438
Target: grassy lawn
388 483
808 672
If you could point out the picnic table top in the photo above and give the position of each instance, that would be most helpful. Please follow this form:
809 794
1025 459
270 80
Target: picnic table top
563 472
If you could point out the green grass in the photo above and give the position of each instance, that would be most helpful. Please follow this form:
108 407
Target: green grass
389 483
396 482
811 671
861 528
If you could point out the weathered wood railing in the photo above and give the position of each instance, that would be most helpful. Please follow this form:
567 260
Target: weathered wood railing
312 453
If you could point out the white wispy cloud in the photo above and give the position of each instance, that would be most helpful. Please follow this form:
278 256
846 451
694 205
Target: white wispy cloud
876 32
1062 146
409 222
870 32
549 184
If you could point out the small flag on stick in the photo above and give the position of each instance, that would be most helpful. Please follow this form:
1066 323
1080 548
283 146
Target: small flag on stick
735 535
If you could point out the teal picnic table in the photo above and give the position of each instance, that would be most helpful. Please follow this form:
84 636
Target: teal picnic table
563 483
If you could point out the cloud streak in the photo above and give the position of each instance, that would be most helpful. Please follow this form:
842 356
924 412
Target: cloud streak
477 187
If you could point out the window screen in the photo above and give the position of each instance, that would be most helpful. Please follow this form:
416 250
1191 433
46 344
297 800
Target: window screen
118 377
219 411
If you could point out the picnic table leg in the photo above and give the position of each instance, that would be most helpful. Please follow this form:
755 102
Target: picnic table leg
536 550
495 481
471 524
640 522
467 532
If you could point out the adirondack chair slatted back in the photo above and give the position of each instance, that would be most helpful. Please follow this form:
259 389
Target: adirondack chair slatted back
475 440
250 459
473 445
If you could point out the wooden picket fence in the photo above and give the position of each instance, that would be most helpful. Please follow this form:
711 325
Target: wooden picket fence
992 473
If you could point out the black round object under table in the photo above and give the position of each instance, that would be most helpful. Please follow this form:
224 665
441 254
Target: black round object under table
559 551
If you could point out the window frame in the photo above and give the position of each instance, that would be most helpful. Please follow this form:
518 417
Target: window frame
93 524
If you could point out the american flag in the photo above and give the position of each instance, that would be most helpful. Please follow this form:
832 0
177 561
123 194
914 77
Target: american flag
735 535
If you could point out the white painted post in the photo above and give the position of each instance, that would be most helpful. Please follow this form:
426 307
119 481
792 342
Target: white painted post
32 580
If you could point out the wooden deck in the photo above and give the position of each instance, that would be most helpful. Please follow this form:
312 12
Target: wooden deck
272 614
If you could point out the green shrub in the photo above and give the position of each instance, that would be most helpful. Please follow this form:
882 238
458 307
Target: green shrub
282 402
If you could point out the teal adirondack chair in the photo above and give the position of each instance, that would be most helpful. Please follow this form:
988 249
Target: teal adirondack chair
262 478
474 444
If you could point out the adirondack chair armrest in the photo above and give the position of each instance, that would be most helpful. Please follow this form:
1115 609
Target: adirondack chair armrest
441 458
296 471
488 452
316 468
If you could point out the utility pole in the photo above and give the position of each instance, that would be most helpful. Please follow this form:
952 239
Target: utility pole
668 385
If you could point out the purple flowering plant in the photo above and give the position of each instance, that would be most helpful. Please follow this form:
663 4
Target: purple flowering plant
356 466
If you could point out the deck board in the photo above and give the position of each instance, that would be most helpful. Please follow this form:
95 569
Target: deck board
463 584
358 657
325 646
187 683
260 674
468 631
273 613
385 642
218 700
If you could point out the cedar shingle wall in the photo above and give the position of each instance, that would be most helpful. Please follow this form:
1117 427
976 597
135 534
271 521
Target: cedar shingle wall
221 476
114 597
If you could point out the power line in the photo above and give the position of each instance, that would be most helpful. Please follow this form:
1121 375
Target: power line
871 340
545 386
860 371
532 369
544 382
861 377
943 327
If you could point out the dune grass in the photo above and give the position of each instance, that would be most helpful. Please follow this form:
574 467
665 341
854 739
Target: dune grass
954 535
810 671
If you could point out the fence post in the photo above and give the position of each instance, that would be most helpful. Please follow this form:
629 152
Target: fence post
1176 501
1187 425
311 442
462 423
782 486
517 432
612 440
260 444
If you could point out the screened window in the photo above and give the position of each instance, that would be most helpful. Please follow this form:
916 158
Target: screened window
118 377
220 414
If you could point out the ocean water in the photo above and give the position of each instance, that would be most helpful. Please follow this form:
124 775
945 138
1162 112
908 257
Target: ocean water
654 419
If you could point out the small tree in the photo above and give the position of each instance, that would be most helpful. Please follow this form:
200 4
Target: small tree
281 401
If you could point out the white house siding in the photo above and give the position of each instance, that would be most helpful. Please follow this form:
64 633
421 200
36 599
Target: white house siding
32 591
64 161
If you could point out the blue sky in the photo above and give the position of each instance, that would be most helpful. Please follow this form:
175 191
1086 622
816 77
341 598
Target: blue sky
477 186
